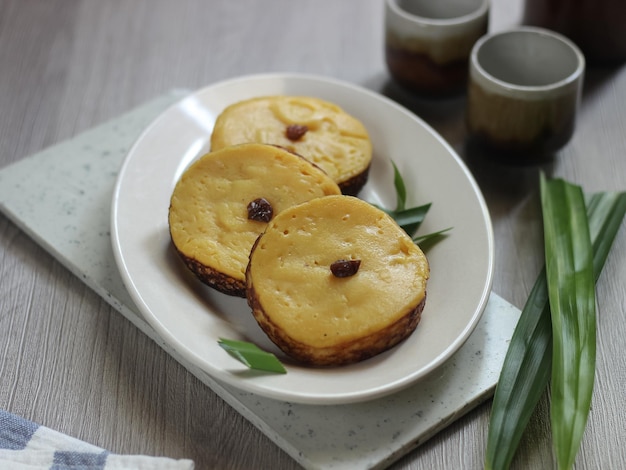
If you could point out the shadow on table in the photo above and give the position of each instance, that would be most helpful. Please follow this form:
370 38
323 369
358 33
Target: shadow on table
598 76
504 184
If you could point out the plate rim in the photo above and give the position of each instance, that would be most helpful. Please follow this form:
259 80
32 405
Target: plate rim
330 399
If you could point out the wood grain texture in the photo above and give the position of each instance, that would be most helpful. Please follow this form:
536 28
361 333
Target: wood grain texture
68 361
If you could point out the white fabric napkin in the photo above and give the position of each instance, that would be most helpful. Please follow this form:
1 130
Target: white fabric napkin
27 445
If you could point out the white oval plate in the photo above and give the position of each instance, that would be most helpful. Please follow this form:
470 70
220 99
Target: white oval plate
191 317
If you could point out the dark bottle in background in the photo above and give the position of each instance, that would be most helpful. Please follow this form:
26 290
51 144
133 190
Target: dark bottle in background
598 27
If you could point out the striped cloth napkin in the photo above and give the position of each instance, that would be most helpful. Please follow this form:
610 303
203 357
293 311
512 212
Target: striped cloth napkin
27 445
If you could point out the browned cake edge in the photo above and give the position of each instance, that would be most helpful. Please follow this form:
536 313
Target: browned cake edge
352 186
212 277
340 354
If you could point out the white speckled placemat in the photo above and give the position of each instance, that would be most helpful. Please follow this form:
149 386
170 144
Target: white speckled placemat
61 197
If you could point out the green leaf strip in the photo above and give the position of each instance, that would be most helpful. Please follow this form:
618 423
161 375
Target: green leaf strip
571 291
430 237
526 368
606 211
523 379
252 356
410 219
398 183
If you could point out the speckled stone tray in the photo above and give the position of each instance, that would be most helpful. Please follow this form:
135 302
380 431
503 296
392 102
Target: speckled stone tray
61 197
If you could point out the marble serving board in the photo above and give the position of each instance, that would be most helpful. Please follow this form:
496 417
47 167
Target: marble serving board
61 197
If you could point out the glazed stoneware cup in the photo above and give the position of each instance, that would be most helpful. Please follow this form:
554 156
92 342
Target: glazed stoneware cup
428 42
523 94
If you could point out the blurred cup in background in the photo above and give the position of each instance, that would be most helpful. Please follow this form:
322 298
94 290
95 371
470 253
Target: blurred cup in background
428 42
524 91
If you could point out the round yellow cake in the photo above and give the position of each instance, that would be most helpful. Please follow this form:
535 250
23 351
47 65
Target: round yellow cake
316 129
224 200
335 280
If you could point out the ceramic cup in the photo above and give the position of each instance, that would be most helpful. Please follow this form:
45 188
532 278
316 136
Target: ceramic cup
428 42
524 91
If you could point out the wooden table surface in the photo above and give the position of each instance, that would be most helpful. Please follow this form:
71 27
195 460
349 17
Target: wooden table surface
70 362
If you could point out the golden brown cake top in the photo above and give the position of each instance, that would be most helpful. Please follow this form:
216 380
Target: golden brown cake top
316 129
209 210
290 271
